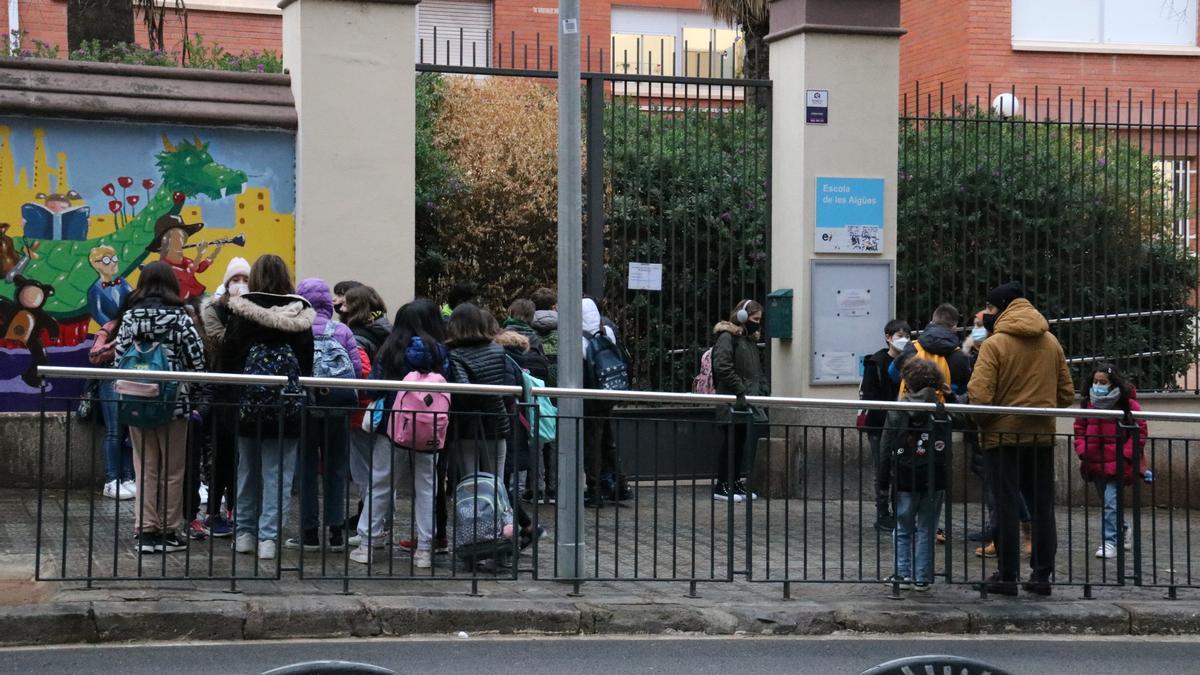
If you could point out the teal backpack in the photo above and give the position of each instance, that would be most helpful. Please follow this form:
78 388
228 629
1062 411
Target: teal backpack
145 403
545 412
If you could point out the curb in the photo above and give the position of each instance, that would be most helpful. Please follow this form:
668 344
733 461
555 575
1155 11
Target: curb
275 618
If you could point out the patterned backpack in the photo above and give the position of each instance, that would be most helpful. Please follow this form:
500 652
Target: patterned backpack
270 403
703 383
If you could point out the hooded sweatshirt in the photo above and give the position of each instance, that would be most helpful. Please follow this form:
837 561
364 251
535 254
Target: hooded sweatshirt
943 341
1021 365
592 323
318 294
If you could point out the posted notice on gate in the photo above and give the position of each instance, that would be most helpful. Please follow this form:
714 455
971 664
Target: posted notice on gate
849 215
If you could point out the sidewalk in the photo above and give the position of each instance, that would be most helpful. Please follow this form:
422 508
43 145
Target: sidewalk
817 539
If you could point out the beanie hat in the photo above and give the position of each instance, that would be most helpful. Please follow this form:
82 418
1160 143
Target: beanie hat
236 266
1002 296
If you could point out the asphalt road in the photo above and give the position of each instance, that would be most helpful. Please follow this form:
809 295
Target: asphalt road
577 656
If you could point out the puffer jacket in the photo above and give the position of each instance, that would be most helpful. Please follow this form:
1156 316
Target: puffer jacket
372 336
913 473
737 368
170 326
1096 445
317 292
483 415
527 331
1021 365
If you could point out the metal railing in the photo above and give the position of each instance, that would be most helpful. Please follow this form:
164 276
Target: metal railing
814 520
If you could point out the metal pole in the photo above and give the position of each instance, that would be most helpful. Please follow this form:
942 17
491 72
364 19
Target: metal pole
570 536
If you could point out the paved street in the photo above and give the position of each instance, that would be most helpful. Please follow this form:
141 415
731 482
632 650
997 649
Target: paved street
535 656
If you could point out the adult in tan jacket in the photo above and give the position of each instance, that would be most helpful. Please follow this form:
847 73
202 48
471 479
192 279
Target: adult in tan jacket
1020 365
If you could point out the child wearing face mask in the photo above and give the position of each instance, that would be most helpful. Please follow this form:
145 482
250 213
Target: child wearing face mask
738 369
877 386
1096 444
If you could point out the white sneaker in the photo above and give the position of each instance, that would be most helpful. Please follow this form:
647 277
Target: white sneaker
266 550
128 490
377 542
244 543
362 554
112 489
1106 550
1128 539
422 559
203 495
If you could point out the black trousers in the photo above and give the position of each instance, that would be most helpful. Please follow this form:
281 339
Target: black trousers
599 447
882 460
223 477
1017 471
741 440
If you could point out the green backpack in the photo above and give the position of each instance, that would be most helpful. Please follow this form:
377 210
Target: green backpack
145 403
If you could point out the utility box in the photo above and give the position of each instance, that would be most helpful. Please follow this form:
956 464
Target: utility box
779 314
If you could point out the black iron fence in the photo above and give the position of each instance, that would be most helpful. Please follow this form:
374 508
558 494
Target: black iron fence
652 510
1086 196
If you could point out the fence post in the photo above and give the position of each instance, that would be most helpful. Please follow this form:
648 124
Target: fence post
595 186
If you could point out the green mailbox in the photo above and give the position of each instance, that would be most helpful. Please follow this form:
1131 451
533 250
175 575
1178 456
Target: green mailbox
779 314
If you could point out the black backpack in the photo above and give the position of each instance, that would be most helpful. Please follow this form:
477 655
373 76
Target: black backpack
606 367
267 403
922 444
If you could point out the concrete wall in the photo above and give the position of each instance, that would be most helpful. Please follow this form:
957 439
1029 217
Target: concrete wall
76 462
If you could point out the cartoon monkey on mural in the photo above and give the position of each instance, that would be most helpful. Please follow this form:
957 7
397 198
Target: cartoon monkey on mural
23 320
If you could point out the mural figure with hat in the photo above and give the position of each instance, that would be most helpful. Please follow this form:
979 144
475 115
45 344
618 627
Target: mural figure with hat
170 239
106 296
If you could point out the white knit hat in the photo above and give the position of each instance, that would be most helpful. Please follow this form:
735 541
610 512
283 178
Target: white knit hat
236 266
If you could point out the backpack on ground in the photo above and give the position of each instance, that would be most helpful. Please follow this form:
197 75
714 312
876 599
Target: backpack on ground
545 412
420 419
605 366
942 364
270 403
483 522
331 360
703 382
145 403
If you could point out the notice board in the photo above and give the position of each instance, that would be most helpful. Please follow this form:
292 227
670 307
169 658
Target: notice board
851 301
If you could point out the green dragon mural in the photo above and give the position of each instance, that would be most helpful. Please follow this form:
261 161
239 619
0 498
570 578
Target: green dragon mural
186 169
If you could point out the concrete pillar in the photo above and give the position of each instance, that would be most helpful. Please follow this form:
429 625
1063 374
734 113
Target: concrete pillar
354 82
851 50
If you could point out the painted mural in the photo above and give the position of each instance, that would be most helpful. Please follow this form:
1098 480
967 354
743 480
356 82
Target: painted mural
84 204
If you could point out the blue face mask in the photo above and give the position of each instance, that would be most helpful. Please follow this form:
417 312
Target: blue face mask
1100 390
979 334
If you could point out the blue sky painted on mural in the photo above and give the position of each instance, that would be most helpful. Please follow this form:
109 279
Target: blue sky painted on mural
99 152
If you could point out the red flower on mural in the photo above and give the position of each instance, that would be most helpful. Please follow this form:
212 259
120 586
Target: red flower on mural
133 200
125 181
114 205
109 190
179 197
147 184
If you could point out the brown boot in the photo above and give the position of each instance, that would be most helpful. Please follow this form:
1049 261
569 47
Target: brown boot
986 551
1027 538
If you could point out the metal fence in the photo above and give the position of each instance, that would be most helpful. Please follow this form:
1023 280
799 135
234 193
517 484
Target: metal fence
1087 196
646 518
676 184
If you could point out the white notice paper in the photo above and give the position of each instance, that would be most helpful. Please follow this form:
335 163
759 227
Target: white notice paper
645 276
837 366
853 301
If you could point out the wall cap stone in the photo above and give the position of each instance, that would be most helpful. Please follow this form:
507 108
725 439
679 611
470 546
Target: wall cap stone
843 17
112 91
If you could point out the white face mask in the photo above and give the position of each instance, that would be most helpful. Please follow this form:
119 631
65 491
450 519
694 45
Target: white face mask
899 343
239 288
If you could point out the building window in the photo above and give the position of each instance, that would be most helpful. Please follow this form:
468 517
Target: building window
454 32
670 42
1180 178
1153 23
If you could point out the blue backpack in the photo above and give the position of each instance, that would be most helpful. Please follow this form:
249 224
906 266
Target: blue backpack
145 403
606 367
271 403
545 415
331 360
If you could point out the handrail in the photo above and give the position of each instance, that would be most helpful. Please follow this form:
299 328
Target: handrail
63 372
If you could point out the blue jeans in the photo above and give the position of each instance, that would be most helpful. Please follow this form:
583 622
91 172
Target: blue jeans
118 456
328 438
916 514
266 468
1107 488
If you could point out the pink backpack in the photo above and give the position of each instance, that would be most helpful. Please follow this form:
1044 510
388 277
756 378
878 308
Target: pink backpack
420 418
703 383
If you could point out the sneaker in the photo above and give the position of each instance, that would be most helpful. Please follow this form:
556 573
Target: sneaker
112 489
986 551
527 496
921 586
1128 540
196 530
739 488
526 539
266 550
311 539
244 543
903 583
1106 550
218 526
549 496
593 500
722 493
337 539
441 546
406 544
362 554
172 543
203 495
377 542
422 559
128 490
150 542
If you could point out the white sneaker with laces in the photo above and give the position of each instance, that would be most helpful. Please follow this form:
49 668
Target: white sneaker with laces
112 489
362 554
244 543
266 550
422 559
1106 550
377 542
128 490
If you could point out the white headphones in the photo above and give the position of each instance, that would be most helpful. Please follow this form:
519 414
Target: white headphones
742 316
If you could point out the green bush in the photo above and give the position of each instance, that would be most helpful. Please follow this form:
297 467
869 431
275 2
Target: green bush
1080 216
196 54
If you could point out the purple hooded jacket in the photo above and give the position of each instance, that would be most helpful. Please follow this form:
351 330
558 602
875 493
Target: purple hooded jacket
317 292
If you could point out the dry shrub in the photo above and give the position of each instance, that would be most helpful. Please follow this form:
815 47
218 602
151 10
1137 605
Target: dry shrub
496 226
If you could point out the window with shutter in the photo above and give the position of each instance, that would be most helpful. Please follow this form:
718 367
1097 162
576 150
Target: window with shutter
454 32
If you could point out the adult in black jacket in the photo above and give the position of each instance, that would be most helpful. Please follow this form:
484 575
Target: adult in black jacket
270 315
878 386
480 424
